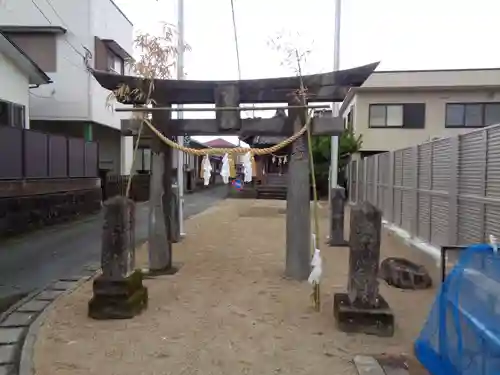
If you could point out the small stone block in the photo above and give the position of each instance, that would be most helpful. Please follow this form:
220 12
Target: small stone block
10 335
377 320
63 285
49 295
403 273
17 319
7 370
367 365
33 306
400 365
7 354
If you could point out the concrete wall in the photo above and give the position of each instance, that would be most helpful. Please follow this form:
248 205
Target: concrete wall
14 85
389 139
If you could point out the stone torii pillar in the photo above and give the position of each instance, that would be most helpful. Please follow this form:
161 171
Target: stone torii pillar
298 207
161 217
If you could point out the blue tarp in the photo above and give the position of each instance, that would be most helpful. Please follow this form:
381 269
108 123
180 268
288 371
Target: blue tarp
462 333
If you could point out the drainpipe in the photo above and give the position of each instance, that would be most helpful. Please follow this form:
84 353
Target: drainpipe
180 115
334 164
88 133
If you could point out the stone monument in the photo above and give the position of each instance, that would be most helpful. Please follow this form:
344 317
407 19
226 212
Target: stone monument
337 203
362 308
118 291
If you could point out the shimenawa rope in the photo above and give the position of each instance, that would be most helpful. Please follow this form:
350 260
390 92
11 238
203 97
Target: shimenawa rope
235 150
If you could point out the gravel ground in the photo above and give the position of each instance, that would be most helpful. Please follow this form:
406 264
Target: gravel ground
228 310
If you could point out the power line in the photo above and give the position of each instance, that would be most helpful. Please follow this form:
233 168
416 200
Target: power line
87 51
235 30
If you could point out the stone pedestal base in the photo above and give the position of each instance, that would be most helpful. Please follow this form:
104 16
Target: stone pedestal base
337 206
377 321
337 242
170 270
118 299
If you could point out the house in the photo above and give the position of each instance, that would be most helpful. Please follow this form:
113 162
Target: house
65 38
192 163
217 159
219 143
18 72
398 109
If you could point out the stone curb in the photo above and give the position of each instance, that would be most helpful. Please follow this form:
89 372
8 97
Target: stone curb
19 325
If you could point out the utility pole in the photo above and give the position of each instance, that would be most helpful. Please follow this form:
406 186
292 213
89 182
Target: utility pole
334 156
180 139
336 194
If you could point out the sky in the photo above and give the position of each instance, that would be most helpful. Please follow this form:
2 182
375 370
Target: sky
401 34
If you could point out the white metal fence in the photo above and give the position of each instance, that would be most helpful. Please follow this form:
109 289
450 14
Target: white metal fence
446 192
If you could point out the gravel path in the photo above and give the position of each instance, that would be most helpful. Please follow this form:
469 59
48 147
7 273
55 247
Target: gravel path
228 310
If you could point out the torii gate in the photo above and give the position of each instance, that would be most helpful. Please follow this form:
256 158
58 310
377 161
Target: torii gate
327 87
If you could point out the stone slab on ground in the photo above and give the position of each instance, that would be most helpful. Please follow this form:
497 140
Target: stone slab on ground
49 295
228 310
367 365
34 306
10 335
7 354
18 319
63 285
7 370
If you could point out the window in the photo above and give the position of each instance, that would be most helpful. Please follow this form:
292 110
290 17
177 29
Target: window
143 160
115 63
4 114
349 124
397 116
18 113
12 114
473 115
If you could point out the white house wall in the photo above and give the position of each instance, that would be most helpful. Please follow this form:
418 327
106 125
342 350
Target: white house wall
388 139
67 97
14 85
434 78
75 94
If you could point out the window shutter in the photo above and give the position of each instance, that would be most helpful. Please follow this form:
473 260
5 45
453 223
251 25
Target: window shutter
414 116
